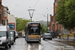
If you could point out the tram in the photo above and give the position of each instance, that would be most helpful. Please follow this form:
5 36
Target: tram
32 32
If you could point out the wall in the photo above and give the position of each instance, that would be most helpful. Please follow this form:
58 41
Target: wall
12 20
54 26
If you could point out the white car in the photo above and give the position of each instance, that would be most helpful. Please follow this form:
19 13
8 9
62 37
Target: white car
16 34
12 38
23 35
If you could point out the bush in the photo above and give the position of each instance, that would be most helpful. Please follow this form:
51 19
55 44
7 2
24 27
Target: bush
73 33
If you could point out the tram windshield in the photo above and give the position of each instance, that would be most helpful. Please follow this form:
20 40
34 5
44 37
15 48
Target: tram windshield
34 30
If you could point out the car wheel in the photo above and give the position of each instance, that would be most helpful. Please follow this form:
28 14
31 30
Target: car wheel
12 43
51 38
43 39
9 45
6 45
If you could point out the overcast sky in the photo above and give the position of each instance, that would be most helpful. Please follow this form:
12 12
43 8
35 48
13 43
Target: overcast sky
19 8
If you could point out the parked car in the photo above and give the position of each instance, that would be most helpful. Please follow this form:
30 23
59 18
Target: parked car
47 36
12 38
52 33
16 34
19 34
23 35
41 36
13 33
5 37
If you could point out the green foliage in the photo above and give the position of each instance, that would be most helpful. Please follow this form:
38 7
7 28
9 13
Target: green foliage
73 32
44 28
65 13
20 24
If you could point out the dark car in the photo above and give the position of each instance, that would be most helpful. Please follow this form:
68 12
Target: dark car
47 36
52 34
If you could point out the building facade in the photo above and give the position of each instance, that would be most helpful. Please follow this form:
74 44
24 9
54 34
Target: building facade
3 14
11 22
53 25
5 11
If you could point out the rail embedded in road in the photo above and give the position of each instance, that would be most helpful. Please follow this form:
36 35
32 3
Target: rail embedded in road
34 46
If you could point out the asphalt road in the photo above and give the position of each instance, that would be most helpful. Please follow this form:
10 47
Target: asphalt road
21 44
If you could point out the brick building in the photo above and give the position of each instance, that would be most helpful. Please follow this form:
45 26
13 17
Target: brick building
1 11
3 14
53 25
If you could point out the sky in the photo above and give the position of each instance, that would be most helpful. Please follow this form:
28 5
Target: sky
19 8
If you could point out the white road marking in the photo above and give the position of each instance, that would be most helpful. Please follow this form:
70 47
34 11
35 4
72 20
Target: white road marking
29 46
41 47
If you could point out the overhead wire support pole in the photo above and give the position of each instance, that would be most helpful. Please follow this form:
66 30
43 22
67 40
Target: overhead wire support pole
31 14
47 22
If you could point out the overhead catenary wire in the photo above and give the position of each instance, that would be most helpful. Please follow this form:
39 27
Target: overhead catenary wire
36 3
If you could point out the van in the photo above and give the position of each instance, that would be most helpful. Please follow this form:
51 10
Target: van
13 36
5 37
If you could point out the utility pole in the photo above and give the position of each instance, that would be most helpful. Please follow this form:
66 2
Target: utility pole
31 12
47 22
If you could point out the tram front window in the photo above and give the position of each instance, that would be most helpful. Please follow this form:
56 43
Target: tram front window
34 31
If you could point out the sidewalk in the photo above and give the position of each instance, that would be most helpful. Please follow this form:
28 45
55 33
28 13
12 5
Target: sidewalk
64 40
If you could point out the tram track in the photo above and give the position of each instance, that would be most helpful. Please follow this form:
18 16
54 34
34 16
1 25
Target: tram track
36 46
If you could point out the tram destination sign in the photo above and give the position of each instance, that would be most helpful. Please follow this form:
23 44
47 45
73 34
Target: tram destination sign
34 25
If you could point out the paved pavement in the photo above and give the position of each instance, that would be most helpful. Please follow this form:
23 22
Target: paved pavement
65 38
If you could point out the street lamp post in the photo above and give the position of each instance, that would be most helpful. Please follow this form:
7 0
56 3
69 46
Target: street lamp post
31 12
47 22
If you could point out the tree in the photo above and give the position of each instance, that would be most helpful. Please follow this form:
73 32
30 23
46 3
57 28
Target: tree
43 28
65 13
20 24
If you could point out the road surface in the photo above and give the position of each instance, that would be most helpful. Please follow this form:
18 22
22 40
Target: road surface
21 44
